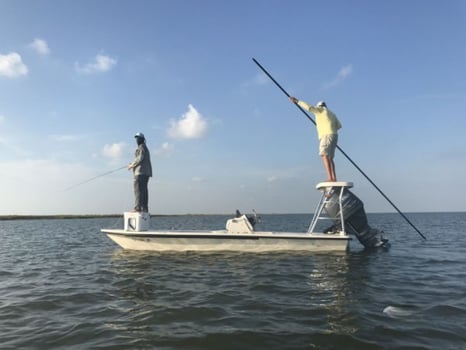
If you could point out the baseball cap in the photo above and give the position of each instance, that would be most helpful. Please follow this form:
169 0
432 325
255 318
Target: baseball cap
321 104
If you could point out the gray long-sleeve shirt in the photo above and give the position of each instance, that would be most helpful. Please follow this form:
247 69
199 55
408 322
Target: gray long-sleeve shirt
141 164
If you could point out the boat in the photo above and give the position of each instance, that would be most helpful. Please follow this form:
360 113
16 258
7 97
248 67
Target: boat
337 204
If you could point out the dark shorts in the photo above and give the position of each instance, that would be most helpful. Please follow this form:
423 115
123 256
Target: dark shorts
328 144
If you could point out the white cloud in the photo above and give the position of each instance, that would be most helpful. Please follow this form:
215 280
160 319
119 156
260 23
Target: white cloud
258 80
100 64
65 138
2 118
12 66
165 150
197 179
40 46
342 75
114 151
191 125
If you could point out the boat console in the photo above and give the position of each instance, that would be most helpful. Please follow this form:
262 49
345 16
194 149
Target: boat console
239 224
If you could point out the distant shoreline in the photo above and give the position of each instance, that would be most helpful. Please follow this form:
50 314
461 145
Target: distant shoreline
44 217
84 216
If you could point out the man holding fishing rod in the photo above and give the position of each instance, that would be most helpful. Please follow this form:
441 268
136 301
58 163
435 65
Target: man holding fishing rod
142 169
327 125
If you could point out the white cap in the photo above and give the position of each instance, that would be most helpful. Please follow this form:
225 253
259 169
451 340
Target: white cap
321 104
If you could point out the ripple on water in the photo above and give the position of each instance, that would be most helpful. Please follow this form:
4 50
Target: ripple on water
63 285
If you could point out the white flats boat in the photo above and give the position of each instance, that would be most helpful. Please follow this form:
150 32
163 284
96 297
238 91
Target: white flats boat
239 234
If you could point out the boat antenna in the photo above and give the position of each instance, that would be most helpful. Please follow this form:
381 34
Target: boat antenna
93 178
343 152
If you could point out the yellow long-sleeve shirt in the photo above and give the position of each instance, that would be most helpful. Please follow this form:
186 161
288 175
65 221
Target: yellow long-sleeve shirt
326 121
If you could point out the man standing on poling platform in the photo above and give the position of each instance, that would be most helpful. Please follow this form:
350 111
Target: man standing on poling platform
142 169
327 125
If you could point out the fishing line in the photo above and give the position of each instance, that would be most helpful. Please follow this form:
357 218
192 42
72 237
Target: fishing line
343 152
95 177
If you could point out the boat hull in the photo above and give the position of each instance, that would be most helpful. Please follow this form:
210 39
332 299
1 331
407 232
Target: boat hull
205 241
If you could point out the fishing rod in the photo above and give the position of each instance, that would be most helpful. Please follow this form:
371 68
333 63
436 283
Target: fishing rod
95 177
343 152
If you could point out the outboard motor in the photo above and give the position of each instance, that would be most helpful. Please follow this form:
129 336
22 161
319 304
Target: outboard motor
354 216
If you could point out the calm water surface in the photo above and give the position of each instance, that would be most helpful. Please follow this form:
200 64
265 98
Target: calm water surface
64 285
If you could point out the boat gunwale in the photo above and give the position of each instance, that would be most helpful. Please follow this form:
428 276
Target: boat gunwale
225 235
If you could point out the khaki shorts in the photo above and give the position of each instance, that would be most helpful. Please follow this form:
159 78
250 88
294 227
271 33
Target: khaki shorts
328 144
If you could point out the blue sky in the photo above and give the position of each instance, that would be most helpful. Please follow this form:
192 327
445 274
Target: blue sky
79 78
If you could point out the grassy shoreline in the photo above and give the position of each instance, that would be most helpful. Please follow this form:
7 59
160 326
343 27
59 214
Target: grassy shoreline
83 216
48 217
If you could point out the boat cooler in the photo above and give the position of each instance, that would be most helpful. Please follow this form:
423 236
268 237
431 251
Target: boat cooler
136 221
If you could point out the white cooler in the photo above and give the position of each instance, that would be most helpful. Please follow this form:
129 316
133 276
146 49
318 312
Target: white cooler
136 221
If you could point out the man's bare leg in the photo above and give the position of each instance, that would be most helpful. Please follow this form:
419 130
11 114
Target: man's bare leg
329 166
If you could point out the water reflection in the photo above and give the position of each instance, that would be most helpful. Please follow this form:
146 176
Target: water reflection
289 292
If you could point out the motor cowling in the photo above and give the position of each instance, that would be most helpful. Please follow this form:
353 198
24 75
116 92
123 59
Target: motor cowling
355 218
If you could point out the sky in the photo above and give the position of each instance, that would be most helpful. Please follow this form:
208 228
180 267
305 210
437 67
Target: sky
79 78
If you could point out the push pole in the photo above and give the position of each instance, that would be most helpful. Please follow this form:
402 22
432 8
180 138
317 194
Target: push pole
344 153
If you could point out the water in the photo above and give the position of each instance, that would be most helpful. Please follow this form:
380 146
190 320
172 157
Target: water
64 285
